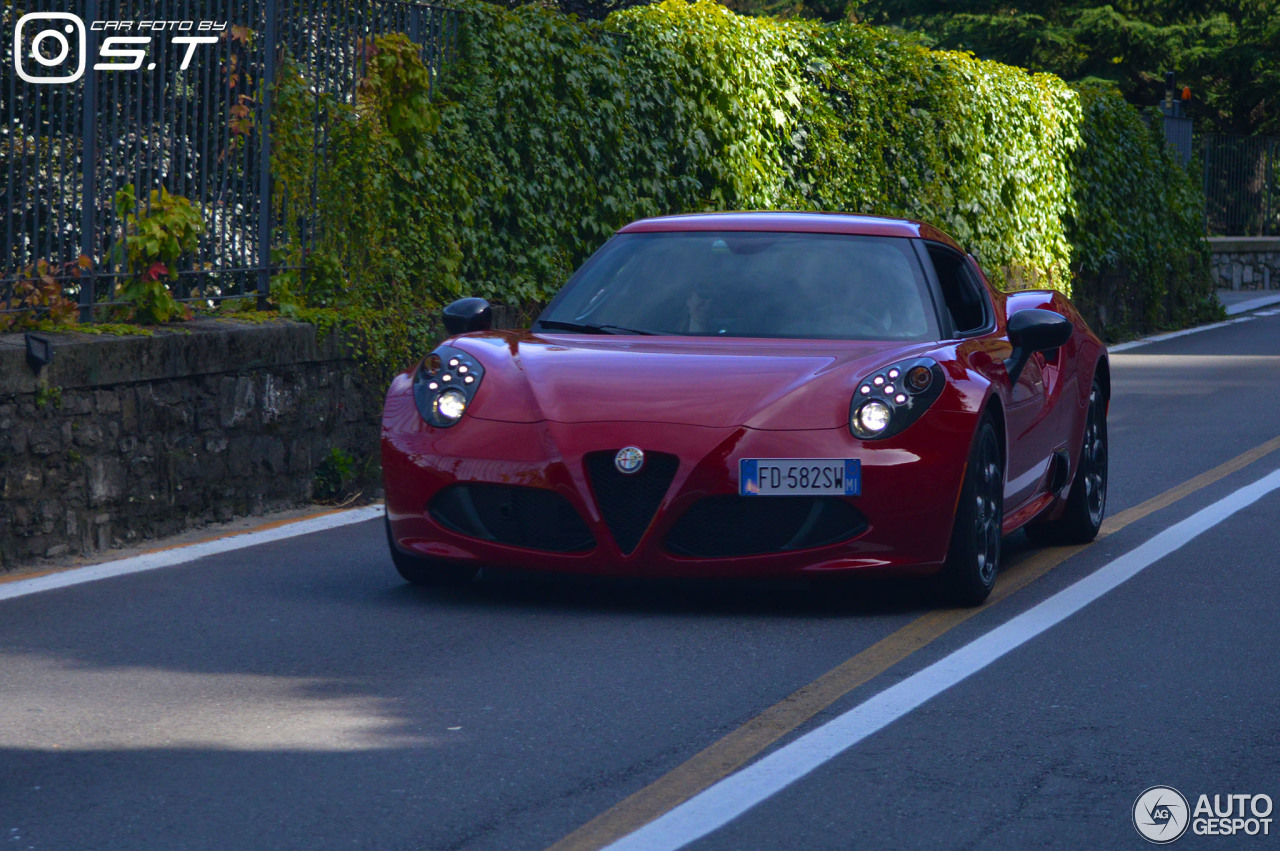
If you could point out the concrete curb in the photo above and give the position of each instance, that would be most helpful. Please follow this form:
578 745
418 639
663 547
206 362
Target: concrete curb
1252 304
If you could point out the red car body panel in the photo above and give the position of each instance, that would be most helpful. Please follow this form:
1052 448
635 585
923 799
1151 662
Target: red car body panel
547 400
792 223
572 378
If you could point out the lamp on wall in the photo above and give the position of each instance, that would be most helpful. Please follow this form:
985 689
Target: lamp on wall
39 352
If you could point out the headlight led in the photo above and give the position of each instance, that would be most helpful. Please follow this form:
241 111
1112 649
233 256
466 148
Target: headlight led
890 399
872 418
450 404
445 384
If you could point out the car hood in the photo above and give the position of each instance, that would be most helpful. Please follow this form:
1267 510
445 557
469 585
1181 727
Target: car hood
765 384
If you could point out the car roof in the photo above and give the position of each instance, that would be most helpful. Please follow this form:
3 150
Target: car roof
842 223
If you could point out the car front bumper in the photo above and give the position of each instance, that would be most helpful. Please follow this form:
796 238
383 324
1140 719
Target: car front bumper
910 484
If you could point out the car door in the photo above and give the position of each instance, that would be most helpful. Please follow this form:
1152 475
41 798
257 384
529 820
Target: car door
964 294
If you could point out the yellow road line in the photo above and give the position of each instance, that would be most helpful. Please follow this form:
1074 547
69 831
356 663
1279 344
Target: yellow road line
272 524
34 574
735 750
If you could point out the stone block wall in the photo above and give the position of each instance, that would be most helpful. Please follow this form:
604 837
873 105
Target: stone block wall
122 439
1245 262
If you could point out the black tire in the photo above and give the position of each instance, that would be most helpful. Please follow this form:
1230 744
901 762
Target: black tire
973 559
1087 499
427 572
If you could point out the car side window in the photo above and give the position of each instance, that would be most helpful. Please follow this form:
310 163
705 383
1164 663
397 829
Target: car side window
961 291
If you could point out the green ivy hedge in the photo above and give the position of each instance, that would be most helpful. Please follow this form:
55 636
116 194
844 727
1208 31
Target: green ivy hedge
549 133
1140 260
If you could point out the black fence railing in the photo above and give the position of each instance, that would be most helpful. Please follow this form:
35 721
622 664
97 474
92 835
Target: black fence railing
1241 185
111 107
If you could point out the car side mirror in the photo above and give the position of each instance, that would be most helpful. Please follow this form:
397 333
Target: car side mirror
1034 330
468 314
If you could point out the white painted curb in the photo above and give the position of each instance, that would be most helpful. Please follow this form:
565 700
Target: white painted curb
1253 304
1233 310
182 555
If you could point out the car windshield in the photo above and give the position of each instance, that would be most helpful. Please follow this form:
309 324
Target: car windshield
748 284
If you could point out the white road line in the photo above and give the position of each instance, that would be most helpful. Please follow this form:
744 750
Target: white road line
1158 338
737 793
181 555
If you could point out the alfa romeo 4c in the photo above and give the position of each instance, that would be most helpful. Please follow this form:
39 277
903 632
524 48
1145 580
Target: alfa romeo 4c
753 394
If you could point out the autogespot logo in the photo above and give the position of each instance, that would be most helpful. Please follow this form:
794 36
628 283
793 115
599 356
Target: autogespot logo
1160 814
51 47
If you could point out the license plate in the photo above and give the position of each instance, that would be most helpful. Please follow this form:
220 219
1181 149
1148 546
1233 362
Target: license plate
799 477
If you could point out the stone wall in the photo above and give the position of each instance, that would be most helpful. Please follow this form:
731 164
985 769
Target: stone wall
122 439
1245 262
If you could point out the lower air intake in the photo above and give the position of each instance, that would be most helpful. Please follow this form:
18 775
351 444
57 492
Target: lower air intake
728 526
533 518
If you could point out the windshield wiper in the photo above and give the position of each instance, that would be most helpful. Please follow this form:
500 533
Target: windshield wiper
585 328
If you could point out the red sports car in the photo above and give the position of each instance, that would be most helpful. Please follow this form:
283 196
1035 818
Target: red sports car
753 394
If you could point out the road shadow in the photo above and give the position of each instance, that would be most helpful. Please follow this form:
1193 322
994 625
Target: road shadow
499 588
813 596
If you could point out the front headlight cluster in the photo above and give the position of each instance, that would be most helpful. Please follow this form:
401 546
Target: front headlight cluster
887 401
444 385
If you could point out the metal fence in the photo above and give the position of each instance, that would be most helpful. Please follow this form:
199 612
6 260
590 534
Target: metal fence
1241 185
172 95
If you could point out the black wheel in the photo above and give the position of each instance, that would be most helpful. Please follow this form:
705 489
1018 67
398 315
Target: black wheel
425 571
974 557
1087 500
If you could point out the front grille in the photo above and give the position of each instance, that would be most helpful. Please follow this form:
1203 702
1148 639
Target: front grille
534 518
727 526
628 502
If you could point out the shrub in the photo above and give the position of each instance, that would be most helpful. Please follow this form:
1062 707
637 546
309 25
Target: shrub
157 235
36 301
1137 225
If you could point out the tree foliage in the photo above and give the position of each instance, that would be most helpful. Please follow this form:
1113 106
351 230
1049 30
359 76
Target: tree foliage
1226 51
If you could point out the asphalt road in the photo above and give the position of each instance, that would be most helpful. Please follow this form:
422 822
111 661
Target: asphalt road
297 695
